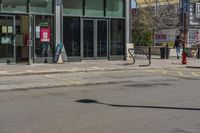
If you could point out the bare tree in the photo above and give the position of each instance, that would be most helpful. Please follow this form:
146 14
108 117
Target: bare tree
153 16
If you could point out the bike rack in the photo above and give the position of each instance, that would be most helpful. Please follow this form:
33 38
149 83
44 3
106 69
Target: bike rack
138 51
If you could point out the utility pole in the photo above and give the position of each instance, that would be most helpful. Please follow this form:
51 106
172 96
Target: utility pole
185 17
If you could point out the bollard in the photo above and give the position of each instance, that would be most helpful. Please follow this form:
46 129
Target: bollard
45 61
150 52
198 56
8 61
167 51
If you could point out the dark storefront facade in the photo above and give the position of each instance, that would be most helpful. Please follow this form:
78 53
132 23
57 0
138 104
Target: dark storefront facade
89 29
94 29
20 25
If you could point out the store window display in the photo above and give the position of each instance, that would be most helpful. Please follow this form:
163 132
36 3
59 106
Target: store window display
43 36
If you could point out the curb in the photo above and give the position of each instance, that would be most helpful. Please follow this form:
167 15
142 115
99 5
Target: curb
84 70
58 86
194 67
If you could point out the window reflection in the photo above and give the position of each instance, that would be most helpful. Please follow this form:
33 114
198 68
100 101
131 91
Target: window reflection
94 7
117 37
71 36
115 8
41 6
72 7
16 5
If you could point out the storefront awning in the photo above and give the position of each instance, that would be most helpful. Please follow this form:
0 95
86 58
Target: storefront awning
153 2
40 3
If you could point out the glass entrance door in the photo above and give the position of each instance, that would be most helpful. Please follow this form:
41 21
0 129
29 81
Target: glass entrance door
95 38
88 38
102 38
7 38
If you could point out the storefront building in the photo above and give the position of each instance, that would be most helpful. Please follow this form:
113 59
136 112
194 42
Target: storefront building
194 24
89 29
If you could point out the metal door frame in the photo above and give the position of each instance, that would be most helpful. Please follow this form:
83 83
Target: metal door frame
31 40
13 42
95 23
107 37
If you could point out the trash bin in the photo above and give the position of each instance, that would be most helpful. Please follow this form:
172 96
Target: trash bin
167 51
8 61
164 53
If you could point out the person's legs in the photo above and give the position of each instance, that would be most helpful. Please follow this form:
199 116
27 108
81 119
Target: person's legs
178 52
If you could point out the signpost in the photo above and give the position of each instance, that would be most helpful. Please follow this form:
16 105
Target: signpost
185 15
58 51
197 10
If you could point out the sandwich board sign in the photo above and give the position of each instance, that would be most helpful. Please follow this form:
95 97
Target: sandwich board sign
58 51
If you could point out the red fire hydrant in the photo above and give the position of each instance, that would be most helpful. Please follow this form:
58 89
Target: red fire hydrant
184 59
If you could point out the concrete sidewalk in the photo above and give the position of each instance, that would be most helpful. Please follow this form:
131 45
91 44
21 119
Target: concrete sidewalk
77 73
88 66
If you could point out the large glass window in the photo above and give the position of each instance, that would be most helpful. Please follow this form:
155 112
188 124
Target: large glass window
72 7
94 7
71 35
115 8
44 36
41 6
6 36
88 38
14 5
117 37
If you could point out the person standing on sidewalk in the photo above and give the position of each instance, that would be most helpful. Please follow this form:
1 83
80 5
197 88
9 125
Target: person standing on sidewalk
177 45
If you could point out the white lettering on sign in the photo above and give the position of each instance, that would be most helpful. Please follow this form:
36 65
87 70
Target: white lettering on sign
45 35
197 37
197 10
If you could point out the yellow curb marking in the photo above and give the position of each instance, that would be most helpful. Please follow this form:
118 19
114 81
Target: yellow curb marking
180 73
164 72
3 72
76 68
151 70
64 81
53 69
29 70
195 74
47 75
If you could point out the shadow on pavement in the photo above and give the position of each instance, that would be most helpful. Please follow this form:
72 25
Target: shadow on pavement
88 101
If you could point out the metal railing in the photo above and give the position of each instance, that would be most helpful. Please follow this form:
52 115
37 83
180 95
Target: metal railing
139 53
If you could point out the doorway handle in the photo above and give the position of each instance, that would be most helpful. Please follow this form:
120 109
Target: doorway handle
29 42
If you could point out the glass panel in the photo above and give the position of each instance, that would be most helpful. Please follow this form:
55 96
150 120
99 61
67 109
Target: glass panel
44 36
14 5
6 37
41 6
102 39
117 37
21 38
72 7
94 8
115 8
71 36
159 1
88 38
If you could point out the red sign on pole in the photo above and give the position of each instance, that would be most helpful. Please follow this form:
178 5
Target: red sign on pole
45 34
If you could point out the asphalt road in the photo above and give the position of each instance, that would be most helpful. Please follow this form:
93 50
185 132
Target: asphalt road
150 101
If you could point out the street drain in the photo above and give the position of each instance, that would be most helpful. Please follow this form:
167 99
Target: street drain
86 101
147 84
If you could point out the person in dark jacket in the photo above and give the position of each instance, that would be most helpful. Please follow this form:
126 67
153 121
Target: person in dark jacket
178 45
